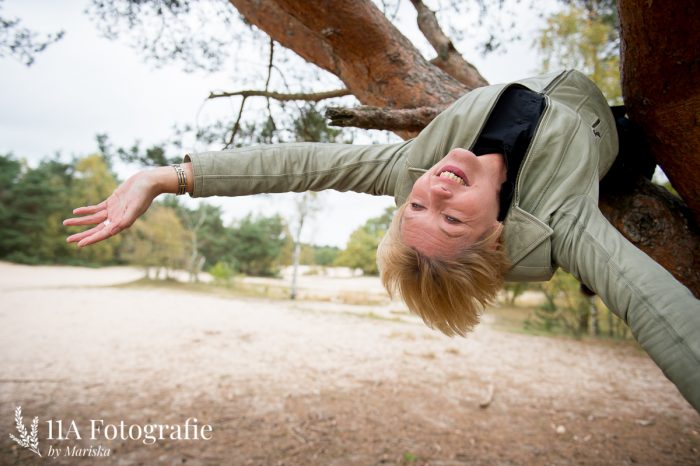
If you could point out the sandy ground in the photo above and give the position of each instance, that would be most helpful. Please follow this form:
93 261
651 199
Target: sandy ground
284 382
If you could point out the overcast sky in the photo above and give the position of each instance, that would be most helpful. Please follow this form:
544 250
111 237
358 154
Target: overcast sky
85 84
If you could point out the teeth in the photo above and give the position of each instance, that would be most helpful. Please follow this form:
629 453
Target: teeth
451 176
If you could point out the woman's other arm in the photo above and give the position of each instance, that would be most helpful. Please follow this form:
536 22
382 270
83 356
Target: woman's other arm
663 315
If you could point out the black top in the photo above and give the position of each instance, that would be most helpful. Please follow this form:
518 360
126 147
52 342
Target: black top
508 131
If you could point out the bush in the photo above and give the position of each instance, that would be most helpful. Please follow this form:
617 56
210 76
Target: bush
222 273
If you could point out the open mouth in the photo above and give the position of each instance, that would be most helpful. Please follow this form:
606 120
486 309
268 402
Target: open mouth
453 173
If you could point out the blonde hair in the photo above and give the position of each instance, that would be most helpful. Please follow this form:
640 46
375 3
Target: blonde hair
448 294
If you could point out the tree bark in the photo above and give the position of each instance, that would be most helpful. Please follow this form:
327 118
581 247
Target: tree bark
413 119
661 85
353 40
658 223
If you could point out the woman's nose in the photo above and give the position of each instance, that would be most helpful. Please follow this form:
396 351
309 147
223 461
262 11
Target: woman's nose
441 191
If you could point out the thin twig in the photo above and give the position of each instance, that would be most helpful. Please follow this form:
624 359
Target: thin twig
282 96
267 81
409 119
236 125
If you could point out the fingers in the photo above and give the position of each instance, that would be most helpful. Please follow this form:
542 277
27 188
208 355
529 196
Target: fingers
95 234
84 234
102 233
90 209
87 220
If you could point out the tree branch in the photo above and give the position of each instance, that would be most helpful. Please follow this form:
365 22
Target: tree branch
655 221
353 40
282 96
410 119
449 59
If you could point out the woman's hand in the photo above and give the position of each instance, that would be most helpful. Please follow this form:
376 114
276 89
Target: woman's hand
118 212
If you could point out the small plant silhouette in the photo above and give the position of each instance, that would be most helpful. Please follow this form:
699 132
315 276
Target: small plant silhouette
31 440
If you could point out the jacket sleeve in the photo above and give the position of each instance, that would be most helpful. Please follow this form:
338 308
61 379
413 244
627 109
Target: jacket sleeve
297 167
663 315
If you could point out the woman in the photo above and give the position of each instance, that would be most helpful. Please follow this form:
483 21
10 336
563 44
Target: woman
502 185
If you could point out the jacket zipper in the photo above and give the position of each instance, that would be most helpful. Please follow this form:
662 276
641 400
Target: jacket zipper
547 104
553 83
526 159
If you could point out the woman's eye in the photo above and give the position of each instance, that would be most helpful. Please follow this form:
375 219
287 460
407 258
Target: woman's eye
451 219
416 206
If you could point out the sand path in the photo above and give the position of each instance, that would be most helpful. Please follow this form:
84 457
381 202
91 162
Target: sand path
284 382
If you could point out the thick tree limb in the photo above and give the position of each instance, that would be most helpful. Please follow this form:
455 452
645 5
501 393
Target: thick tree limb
355 41
660 76
282 96
413 119
288 31
449 59
656 222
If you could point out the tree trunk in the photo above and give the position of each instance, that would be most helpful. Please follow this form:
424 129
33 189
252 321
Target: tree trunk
661 85
296 258
660 68
353 40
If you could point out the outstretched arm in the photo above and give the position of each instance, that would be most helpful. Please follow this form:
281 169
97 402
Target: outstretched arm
663 315
127 203
296 167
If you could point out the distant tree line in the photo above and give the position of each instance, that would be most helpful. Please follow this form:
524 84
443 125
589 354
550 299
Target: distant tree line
35 200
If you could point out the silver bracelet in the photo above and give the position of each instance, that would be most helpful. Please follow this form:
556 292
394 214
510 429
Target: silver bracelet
181 179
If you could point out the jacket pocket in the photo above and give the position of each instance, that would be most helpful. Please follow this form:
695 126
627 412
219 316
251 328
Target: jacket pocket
528 245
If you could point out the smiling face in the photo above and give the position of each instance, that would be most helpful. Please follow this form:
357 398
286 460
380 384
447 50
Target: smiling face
454 204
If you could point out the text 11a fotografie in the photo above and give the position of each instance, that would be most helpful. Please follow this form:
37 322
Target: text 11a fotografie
147 433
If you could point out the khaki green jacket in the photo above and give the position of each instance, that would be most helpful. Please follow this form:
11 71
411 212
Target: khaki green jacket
553 221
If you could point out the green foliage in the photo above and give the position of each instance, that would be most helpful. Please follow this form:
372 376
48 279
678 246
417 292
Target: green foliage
254 245
584 38
515 289
158 239
34 202
361 250
221 272
154 156
10 171
204 222
566 309
93 182
311 126
324 255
